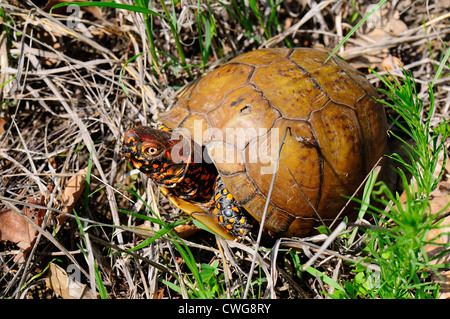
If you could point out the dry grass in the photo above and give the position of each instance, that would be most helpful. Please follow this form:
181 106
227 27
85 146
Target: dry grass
62 106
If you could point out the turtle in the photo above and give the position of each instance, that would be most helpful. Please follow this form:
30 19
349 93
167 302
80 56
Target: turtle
287 132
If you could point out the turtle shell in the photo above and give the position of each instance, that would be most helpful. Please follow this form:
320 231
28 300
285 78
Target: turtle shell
321 115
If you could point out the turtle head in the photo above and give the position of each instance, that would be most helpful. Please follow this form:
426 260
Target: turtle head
161 155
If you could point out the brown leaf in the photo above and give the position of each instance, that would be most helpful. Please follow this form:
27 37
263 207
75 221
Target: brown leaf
390 63
396 26
71 194
66 286
184 231
440 237
2 125
14 228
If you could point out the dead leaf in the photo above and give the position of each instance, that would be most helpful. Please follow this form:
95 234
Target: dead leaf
71 194
16 229
390 63
66 286
396 26
184 231
2 125
439 200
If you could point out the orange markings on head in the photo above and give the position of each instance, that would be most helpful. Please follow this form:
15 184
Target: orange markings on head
137 165
235 209
229 196
155 165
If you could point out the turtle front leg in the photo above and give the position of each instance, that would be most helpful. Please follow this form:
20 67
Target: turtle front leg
230 214
199 214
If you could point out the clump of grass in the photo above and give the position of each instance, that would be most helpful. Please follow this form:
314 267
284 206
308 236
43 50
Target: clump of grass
395 246
246 11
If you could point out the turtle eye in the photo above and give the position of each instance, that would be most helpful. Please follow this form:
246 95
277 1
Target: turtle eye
151 150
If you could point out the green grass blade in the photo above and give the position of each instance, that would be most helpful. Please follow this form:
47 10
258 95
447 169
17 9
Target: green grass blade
101 287
441 67
375 8
314 272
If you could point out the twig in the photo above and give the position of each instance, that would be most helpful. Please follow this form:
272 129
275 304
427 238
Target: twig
263 218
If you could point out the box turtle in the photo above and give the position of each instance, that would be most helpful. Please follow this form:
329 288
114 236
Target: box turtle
314 124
